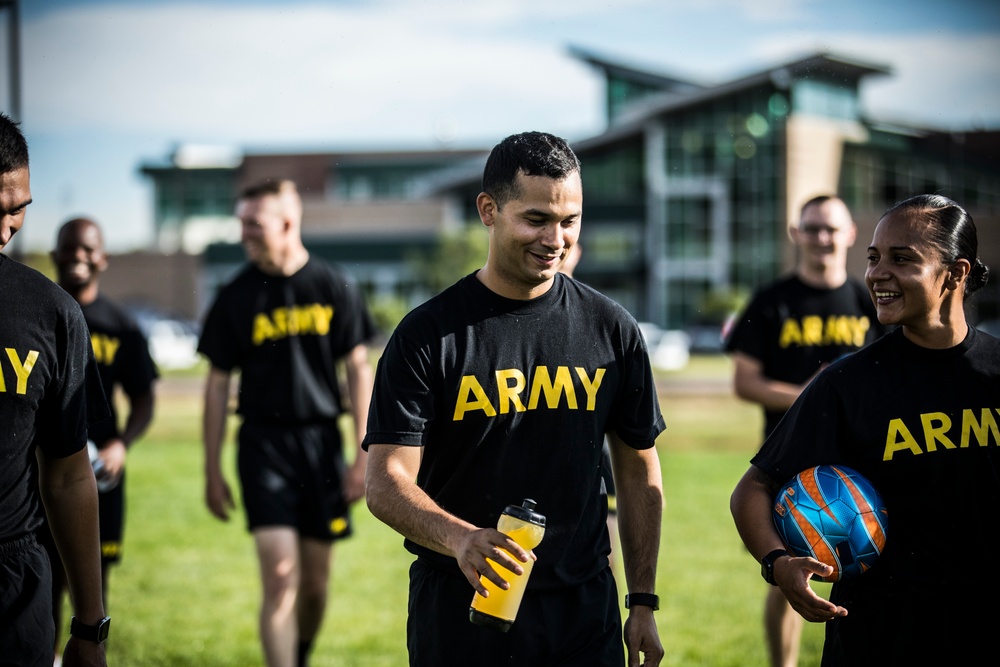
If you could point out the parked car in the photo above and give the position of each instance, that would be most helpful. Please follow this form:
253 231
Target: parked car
669 349
173 343
991 327
705 338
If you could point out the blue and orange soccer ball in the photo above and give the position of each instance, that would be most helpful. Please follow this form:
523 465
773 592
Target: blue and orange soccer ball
835 515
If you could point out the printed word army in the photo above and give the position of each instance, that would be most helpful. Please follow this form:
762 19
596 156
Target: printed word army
22 369
511 383
937 428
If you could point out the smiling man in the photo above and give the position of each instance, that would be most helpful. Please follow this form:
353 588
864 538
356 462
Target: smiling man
49 395
791 329
502 388
123 359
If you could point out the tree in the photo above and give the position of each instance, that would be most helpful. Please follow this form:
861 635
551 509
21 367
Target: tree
457 254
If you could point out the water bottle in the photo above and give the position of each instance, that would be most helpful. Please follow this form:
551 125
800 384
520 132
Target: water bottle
526 527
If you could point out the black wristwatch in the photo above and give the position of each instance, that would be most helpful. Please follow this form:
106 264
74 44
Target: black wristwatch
92 633
642 600
767 565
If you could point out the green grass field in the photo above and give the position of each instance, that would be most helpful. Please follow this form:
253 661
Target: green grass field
186 591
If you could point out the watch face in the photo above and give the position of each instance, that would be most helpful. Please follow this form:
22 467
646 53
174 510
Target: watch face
103 628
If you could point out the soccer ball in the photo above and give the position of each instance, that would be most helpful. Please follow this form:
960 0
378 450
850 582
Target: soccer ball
835 515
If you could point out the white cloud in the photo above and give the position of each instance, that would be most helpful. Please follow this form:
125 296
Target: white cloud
328 72
314 72
106 87
941 79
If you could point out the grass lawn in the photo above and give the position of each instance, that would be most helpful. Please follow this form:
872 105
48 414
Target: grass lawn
186 592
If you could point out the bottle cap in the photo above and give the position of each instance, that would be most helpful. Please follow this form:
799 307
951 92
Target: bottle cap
526 512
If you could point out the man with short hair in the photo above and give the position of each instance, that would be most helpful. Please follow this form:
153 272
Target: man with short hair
123 358
791 330
285 322
502 388
49 395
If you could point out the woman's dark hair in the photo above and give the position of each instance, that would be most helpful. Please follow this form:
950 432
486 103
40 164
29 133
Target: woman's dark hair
530 153
951 231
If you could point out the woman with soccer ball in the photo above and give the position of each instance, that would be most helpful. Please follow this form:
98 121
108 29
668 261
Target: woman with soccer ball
918 414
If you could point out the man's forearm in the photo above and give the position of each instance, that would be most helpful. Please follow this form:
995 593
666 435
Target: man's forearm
397 501
139 417
69 494
214 417
639 498
360 380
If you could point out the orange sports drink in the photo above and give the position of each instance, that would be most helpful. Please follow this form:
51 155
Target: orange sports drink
526 527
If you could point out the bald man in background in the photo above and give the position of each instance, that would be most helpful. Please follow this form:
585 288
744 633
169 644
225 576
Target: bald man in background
124 363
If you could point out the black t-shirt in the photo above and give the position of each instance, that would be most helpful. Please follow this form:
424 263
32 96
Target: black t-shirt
511 400
123 358
285 334
49 388
924 427
792 329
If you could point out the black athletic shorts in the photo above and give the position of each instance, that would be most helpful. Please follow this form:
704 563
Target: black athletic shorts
111 516
577 627
293 476
27 632
885 625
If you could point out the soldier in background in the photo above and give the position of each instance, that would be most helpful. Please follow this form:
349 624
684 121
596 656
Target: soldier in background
124 362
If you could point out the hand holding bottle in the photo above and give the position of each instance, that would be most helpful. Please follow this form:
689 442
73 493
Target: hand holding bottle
499 608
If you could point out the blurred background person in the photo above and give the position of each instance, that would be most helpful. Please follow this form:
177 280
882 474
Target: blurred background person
124 362
790 330
607 478
285 322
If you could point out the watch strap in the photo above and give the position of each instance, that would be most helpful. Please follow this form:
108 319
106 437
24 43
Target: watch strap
642 600
91 633
767 565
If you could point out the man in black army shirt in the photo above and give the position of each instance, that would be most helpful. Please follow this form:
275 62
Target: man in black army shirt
49 395
285 322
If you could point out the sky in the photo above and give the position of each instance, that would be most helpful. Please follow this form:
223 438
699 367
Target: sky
107 86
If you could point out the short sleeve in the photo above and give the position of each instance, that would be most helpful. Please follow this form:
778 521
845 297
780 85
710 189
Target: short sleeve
74 399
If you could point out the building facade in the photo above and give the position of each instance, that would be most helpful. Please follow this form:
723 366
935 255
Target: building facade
689 190
689 193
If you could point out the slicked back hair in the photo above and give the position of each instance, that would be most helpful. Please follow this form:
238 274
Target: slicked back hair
951 230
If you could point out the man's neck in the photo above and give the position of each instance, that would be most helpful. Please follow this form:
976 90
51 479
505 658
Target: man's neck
825 278
509 289
83 294
287 265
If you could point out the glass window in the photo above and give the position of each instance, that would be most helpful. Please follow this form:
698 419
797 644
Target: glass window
825 98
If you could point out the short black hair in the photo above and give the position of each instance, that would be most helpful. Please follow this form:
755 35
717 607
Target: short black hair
265 188
13 147
816 201
528 153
